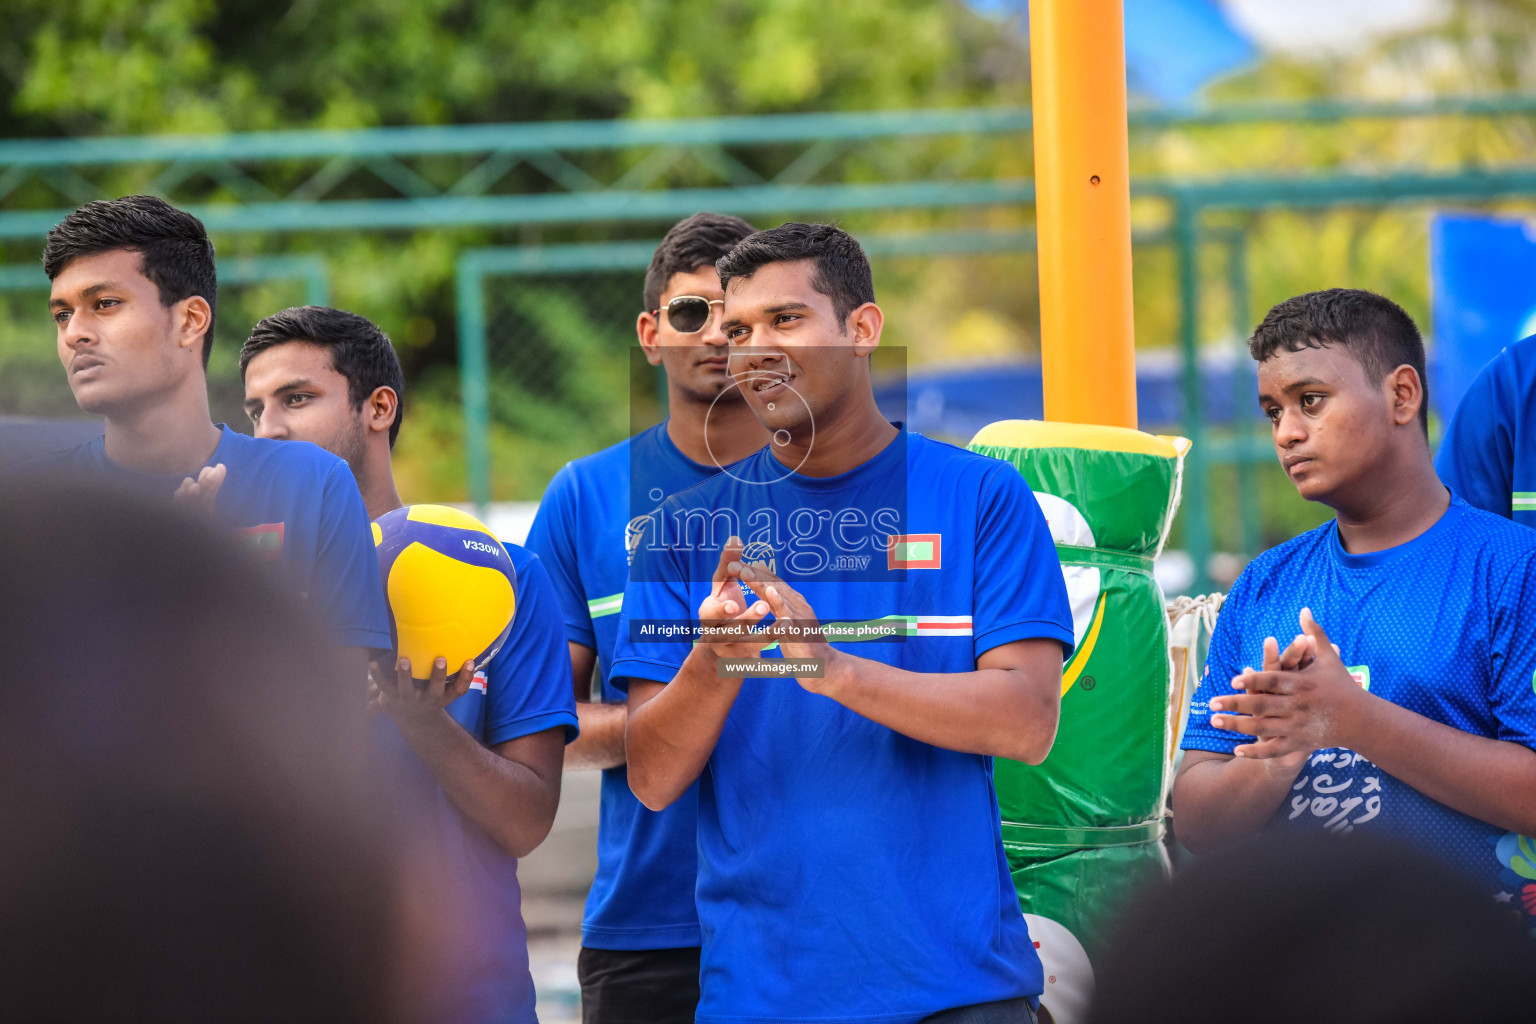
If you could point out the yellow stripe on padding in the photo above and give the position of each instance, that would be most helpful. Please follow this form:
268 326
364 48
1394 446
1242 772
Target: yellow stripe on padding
378 534
1095 437
446 515
1082 654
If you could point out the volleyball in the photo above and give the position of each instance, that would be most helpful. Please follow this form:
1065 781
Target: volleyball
450 584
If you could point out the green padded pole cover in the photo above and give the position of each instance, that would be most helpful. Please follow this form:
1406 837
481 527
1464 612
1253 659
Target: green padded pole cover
1083 830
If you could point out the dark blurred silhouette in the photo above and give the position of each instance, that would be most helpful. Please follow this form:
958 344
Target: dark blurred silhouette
186 829
1353 930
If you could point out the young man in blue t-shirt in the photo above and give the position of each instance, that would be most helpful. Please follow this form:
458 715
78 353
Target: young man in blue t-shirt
1486 455
850 853
639 960
133 298
488 745
1405 705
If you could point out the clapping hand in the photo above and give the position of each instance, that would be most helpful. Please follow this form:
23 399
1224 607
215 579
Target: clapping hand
1303 700
727 621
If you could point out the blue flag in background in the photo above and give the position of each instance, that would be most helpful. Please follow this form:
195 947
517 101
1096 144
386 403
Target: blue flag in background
1483 289
1172 47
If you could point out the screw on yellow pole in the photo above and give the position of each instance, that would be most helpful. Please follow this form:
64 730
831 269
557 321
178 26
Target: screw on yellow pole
1083 210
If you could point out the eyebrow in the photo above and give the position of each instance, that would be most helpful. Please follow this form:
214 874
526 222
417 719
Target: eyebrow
1294 386
292 385
781 307
95 289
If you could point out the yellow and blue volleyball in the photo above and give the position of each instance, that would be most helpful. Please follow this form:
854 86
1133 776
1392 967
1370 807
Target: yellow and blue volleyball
450 584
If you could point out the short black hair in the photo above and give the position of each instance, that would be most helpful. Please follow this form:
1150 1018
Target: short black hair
1376 331
842 270
692 243
174 246
359 350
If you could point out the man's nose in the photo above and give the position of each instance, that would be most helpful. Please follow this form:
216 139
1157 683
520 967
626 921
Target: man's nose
80 332
713 333
763 358
748 359
272 427
1289 429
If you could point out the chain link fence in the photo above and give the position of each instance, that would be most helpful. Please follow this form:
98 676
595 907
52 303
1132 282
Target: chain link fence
560 381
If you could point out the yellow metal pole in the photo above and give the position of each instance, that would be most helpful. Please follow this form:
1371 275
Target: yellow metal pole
1083 210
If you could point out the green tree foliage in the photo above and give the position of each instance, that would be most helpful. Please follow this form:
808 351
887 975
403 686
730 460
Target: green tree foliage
107 67
113 67
119 66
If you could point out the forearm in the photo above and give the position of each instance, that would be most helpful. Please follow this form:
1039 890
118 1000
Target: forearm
511 802
671 735
1002 712
1491 780
1219 800
601 743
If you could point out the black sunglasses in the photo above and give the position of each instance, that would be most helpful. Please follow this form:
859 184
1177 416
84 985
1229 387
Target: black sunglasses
688 314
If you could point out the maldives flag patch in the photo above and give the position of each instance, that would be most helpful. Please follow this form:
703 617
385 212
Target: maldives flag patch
264 541
914 551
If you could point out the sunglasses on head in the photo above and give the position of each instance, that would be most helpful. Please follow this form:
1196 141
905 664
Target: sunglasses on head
688 314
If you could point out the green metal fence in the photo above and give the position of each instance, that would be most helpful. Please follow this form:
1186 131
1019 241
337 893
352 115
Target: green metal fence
539 324
598 175
371 179
545 333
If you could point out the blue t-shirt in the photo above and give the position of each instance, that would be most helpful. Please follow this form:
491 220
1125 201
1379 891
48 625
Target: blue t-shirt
587 525
1487 455
848 872
525 689
292 504
1441 625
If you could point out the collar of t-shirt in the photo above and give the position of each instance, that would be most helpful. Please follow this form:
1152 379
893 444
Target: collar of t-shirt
670 450
157 483
1386 556
887 462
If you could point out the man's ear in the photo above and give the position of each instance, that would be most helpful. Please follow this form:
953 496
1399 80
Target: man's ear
1406 391
864 325
645 327
193 318
380 407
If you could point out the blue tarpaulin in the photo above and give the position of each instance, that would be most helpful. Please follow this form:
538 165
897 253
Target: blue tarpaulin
1172 47
1483 292
954 402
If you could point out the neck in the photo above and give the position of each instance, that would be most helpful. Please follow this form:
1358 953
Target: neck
733 432
172 434
1384 517
376 481
847 436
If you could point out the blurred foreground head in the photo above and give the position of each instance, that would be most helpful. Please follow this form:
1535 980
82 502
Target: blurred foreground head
1322 929
187 834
